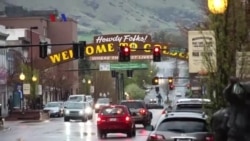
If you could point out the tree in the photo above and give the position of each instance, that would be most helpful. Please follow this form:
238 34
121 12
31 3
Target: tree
231 35
134 91
29 72
174 40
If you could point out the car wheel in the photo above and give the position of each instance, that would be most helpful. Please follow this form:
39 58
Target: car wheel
146 123
90 117
134 132
130 133
84 119
102 135
66 119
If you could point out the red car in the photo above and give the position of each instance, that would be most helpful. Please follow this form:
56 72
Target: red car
115 119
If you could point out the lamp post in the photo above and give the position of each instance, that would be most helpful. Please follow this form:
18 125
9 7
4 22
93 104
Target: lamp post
22 78
34 78
86 84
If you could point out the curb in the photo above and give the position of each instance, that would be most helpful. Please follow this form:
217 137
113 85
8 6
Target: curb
34 121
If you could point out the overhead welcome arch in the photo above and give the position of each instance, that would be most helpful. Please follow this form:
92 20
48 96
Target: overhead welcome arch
105 48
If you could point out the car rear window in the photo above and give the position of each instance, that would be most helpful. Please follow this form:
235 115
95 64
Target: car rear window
189 107
103 100
131 105
76 98
113 111
183 125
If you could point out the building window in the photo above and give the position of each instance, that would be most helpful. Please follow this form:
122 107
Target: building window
45 31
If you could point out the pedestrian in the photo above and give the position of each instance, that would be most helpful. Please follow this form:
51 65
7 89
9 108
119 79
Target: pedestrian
159 98
9 104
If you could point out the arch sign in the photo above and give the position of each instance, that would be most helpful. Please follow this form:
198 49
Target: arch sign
105 48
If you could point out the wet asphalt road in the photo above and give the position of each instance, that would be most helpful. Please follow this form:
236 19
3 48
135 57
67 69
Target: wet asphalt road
56 129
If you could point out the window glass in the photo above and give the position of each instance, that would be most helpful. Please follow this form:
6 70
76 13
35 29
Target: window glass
131 105
103 100
113 111
54 104
179 125
75 105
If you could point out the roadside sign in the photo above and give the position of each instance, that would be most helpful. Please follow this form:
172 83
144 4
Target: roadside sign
26 89
39 90
104 67
128 66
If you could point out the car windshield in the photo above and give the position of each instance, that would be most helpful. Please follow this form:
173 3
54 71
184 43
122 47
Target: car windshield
113 111
75 98
179 125
103 100
54 104
75 105
132 105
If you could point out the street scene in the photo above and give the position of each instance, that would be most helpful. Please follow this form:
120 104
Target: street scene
57 129
133 70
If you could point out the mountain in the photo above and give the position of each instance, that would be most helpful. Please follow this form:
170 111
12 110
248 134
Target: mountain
113 16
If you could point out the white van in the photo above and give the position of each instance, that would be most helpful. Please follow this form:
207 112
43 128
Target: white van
81 98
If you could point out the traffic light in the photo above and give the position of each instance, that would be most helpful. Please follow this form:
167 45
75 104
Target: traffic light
156 54
79 49
155 81
124 54
82 47
170 83
157 89
43 50
75 50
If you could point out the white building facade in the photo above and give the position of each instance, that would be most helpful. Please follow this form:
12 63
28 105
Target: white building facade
3 72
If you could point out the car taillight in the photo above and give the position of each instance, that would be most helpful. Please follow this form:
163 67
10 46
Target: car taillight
99 119
127 118
142 111
156 137
209 138
164 112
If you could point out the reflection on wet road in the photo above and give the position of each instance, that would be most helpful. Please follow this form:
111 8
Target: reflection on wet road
56 129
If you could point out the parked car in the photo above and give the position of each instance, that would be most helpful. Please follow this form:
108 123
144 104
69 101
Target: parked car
181 126
115 119
100 103
76 111
55 109
139 110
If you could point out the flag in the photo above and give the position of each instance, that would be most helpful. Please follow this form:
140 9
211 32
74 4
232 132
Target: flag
63 17
52 17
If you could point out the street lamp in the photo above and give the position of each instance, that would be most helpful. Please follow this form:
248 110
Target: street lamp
217 6
34 78
22 76
86 84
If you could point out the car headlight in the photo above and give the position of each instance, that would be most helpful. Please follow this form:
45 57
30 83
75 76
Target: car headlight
97 106
66 111
88 110
81 112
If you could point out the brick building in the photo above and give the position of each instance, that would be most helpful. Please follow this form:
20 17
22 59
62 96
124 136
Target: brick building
59 84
